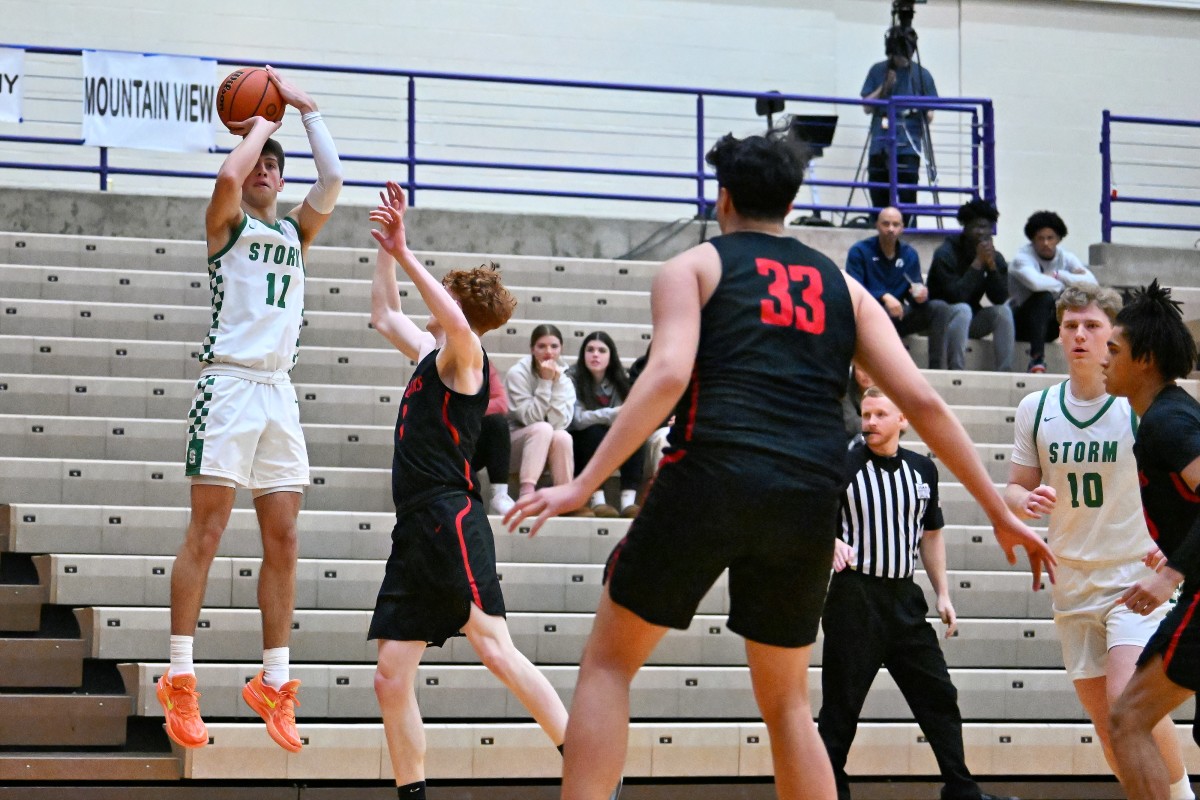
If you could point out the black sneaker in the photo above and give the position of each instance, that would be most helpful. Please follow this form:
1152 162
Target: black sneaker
1037 366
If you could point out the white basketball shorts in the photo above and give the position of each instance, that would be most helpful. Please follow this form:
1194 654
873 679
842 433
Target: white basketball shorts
246 432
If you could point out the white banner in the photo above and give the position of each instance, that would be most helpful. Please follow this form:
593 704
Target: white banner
12 81
148 102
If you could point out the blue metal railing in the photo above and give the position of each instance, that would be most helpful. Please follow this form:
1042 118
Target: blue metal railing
1110 195
978 113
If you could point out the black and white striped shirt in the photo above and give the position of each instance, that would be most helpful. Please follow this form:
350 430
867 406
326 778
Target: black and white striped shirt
889 503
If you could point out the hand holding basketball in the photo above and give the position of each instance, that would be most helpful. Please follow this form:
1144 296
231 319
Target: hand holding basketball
249 93
292 94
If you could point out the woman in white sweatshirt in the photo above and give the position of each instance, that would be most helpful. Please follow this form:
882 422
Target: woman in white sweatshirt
541 403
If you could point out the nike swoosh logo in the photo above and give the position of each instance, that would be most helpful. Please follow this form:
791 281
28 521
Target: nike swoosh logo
437 529
1047 419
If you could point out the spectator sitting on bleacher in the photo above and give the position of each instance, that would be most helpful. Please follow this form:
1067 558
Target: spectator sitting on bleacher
493 449
891 271
601 386
1040 271
966 267
541 402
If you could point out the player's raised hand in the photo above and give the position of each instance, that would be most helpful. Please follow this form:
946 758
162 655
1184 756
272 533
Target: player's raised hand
544 504
243 127
292 94
390 216
1011 533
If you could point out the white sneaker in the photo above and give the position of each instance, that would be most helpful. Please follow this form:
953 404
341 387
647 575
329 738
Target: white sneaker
501 503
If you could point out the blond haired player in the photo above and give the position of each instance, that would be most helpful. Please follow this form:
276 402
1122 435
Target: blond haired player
1073 460
244 427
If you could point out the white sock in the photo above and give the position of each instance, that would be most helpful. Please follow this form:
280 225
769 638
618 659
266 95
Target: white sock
499 489
275 667
628 497
598 497
181 656
1182 789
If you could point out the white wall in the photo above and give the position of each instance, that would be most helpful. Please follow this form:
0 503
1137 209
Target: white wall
1051 66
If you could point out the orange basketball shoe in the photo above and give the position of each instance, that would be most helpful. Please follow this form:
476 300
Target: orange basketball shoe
277 707
181 707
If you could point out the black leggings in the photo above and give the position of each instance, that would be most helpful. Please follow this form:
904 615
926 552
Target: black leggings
1037 323
493 449
587 442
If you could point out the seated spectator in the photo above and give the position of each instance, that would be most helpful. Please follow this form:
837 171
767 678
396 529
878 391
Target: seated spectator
601 386
966 267
541 401
493 448
891 271
1040 271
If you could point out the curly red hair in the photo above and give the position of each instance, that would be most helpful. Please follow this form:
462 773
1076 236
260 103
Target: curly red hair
485 302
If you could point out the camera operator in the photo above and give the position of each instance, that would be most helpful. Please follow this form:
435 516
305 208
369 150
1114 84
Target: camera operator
897 76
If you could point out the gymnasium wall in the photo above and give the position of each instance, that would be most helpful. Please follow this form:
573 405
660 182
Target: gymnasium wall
1050 65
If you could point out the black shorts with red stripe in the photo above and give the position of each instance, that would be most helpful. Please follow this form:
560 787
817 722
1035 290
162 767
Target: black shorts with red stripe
722 509
443 561
1177 640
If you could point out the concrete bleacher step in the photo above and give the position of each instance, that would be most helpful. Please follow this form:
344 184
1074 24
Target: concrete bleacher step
338 329
125 530
53 720
139 358
92 482
662 750
190 256
21 606
125 633
74 481
73 765
88 284
41 663
456 691
340 584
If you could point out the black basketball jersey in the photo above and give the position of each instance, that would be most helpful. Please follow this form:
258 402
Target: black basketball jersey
1168 440
776 340
436 431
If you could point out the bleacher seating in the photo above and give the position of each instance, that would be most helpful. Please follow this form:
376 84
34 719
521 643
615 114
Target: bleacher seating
97 368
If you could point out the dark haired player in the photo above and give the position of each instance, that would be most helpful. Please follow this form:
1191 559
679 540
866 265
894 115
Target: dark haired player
755 471
244 426
1150 348
441 575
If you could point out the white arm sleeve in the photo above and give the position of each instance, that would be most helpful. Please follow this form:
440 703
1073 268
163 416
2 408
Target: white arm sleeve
324 192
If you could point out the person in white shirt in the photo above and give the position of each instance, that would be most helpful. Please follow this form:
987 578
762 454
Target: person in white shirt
1073 460
541 404
1036 277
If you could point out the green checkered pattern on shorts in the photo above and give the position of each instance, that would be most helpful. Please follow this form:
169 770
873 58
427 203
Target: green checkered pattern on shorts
197 421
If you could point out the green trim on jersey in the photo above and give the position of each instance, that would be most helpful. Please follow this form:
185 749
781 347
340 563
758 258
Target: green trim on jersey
1037 418
1133 422
233 237
216 288
1062 402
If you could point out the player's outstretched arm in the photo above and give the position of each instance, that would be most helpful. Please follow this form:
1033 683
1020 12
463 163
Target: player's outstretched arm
462 345
675 307
386 315
225 206
313 213
882 354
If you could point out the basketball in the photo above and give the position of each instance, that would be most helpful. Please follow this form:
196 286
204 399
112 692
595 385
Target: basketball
247 93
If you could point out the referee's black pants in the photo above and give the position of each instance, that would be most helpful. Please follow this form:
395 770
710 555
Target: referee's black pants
872 622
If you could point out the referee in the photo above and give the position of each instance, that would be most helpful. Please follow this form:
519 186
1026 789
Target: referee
875 613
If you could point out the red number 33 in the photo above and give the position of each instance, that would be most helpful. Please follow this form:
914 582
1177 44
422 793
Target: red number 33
780 309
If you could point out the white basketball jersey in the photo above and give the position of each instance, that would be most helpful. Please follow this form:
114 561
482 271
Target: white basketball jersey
1085 451
257 284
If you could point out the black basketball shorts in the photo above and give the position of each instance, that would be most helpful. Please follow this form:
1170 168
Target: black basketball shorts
443 561
1177 640
709 511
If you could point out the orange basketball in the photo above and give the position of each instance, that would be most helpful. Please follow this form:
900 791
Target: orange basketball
247 93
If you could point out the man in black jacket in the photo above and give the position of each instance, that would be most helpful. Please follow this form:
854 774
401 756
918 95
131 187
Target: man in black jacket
966 267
